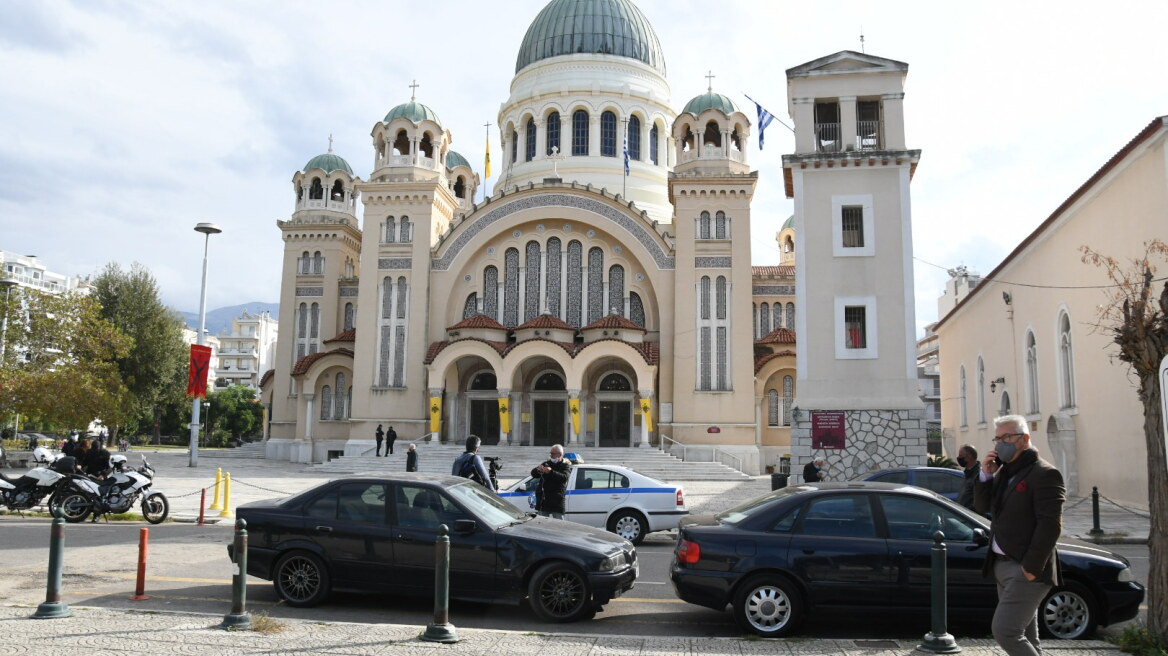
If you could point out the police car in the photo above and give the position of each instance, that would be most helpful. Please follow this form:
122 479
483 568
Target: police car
611 497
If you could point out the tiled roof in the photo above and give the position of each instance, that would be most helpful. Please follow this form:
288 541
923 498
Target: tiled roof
437 347
778 336
614 321
784 270
569 347
266 377
305 362
760 362
349 335
651 351
477 321
546 321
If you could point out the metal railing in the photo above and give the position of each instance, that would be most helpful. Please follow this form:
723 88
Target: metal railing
672 444
868 136
827 138
718 455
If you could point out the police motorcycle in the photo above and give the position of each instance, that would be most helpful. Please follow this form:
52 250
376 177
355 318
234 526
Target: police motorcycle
114 494
39 484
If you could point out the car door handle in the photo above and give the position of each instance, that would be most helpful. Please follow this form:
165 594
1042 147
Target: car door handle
405 538
325 529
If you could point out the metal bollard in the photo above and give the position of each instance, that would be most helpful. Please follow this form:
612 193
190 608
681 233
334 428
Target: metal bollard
202 505
239 619
938 640
53 606
226 512
1095 529
140 584
441 630
218 488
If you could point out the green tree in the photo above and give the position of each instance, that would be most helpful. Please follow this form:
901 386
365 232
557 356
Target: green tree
59 365
236 410
1136 318
154 370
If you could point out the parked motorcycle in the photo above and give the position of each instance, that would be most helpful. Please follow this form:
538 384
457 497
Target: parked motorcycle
116 493
40 483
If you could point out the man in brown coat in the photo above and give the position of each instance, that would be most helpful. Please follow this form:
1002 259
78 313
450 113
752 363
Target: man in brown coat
1024 495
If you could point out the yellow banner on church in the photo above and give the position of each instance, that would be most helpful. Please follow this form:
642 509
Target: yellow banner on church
504 414
435 413
574 411
647 412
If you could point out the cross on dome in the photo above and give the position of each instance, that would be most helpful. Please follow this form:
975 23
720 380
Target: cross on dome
710 81
330 142
413 87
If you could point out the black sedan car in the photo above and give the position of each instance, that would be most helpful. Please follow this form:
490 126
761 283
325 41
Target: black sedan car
376 534
946 482
854 545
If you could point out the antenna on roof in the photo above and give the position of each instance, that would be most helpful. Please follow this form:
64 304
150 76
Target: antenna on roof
861 38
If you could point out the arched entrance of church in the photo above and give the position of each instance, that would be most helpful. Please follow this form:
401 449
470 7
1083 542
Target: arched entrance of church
549 409
614 410
482 406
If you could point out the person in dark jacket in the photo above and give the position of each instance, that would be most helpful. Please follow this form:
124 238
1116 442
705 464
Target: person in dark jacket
96 462
1025 495
412 458
967 458
390 438
379 435
470 464
813 471
553 473
79 453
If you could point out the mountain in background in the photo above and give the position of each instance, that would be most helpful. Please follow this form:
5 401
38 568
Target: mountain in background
219 319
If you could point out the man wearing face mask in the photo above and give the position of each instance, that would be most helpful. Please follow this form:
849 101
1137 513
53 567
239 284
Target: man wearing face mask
967 459
1025 495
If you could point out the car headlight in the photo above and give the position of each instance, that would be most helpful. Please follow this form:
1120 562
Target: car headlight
1125 575
612 562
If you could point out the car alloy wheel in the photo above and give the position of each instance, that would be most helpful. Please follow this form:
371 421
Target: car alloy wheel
559 593
629 524
301 579
768 606
1066 613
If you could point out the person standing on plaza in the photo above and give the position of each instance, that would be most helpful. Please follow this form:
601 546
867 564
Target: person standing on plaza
380 436
551 494
813 471
967 459
412 458
470 464
390 438
1025 496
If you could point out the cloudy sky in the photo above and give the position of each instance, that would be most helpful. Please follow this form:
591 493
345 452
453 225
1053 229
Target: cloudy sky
126 123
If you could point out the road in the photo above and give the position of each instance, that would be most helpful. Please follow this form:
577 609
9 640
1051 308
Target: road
188 570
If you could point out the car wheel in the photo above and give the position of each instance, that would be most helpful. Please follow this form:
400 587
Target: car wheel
74 507
559 593
629 524
1068 612
301 579
155 508
768 605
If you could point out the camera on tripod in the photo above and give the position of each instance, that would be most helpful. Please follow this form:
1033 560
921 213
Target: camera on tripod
494 464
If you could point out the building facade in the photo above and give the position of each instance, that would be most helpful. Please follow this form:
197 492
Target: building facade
1025 340
247 351
593 299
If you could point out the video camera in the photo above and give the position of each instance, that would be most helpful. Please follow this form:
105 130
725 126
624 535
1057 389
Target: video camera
494 464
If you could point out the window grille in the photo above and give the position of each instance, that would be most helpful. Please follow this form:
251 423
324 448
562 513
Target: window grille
634 132
855 327
580 132
853 226
553 133
608 134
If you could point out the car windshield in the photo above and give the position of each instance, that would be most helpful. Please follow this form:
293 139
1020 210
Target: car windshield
748 508
485 505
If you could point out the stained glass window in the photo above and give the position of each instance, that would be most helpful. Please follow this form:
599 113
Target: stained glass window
514 146
754 319
553 133
339 404
608 134
471 306
386 298
595 284
704 294
704 226
390 230
616 290
772 407
406 235
615 383
326 402
580 132
575 276
720 225
788 398
383 353
722 346
314 322
791 316
764 319
491 292
634 132
303 321
511 288
720 297
350 316
704 381
554 271
636 309
531 293
402 297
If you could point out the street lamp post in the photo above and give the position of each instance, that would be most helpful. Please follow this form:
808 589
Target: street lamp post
207 229
208 428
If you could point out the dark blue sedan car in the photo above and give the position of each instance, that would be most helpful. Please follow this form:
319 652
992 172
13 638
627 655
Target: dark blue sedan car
835 546
946 482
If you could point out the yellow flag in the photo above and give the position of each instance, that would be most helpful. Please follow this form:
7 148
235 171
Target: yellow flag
574 411
504 414
488 159
435 413
647 412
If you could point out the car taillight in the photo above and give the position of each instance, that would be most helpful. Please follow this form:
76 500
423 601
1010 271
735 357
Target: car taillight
688 552
680 498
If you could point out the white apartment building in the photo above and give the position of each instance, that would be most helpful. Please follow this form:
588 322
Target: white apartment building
28 271
247 352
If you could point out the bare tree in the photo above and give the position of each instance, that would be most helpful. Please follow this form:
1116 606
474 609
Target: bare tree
1137 321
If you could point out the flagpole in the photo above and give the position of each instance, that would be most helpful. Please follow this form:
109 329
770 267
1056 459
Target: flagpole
487 165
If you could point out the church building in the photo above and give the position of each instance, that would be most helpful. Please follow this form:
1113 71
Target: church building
602 299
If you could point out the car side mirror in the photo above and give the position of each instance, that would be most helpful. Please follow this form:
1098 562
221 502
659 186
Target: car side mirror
980 538
465 526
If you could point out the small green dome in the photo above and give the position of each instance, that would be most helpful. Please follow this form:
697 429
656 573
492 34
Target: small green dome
329 163
414 111
453 159
789 223
606 27
710 100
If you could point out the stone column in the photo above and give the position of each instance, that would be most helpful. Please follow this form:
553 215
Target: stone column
308 415
573 436
435 437
804 124
593 135
540 139
505 396
644 394
848 129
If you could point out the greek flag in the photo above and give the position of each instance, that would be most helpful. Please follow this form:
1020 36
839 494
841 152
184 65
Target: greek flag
764 119
626 149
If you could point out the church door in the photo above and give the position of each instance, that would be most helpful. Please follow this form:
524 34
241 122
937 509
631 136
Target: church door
548 422
484 420
616 422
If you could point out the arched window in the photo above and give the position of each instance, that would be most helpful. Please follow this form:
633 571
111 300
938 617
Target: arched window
791 316
471 306
511 288
316 191
772 408
550 382
636 309
653 140
402 299
575 283
529 147
303 321
720 225
712 135
1005 407
350 316
961 407
595 284
704 226
634 132
1066 363
552 277
514 146
339 404
390 230
1031 374
788 398
326 402
406 234
338 192
704 293
764 319
401 143
314 323
491 292
531 293
580 132
736 140
981 404
720 298
616 290
553 133
426 146
460 187
317 263
484 382
754 319
305 264
608 134
687 142
615 383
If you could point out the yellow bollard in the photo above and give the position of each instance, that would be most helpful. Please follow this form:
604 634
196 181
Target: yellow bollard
227 496
218 485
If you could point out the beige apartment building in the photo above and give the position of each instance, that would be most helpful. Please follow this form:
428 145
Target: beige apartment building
1024 340
599 300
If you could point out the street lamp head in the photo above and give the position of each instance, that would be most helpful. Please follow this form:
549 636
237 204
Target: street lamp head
208 228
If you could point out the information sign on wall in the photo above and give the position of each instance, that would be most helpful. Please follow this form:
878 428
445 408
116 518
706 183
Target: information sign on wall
828 430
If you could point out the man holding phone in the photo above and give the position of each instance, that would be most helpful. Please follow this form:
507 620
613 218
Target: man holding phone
1025 495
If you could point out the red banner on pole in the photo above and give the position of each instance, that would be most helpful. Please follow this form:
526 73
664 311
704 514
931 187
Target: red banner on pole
197 377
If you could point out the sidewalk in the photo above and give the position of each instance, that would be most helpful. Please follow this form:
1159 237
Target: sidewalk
127 632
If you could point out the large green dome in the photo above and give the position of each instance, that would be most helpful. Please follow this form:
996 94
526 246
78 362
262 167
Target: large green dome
710 100
328 162
609 27
414 111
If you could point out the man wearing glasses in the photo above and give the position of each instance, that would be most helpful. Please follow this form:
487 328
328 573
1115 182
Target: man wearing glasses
1025 496
553 474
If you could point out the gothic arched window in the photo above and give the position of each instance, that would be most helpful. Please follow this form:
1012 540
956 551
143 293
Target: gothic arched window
1066 363
636 309
531 293
608 134
552 277
491 292
595 284
961 407
580 132
981 401
326 402
575 281
553 133
1031 374
511 288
